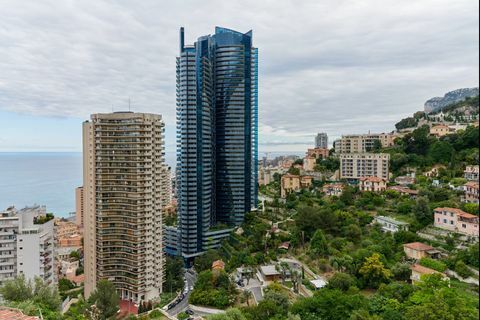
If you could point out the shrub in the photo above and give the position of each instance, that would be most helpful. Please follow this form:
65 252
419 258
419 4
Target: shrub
433 264
462 269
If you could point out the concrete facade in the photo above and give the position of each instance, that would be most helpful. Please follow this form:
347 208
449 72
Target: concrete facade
27 244
360 143
125 190
357 165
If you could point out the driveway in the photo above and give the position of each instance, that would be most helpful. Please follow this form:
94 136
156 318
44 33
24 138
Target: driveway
257 294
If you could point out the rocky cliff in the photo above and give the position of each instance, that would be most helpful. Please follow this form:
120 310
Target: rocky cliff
449 98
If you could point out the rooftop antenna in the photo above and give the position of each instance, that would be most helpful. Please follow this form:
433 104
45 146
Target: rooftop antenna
129 104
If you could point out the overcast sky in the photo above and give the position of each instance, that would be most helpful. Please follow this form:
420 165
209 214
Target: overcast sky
324 66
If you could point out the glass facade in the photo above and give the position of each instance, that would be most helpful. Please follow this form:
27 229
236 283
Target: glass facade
217 135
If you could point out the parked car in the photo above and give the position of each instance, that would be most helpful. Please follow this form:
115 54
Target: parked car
189 312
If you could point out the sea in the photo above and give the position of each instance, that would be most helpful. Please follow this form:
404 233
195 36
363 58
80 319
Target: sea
48 178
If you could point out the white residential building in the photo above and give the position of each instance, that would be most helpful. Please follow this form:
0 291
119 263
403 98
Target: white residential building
391 225
27 244
357 165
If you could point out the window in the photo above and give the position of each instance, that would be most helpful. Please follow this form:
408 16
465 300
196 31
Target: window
451 222
444 220
464 226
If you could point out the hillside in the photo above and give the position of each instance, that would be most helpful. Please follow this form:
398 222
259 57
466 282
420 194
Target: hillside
438 103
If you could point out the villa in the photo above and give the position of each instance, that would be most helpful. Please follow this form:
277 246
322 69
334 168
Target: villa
456 220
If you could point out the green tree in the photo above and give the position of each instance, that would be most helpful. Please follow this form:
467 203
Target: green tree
347 196
422 211
401 271
75 255
341 281
204 261
319 244
174 273
329 304
65 284
17 289
105 298
374 271
441 152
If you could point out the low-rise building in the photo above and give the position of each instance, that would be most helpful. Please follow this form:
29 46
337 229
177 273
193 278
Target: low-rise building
440 130
318 283
418 271
471 192
405 180
404 191
309 163
373 184
66 228
318 153
333 189
471 173
270 273
68 268
391 225
456 220
292 183
70 241
419 250
353 166
432 173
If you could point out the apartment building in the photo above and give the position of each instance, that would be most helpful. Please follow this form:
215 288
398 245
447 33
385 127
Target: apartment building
360 143
27 244
217 136
125 183
357 165
79 206
321 140
471 173
456 220
318 153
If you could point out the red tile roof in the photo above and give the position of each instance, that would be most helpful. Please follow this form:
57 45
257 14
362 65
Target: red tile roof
423 270
457 211
472 184
372 179
419 246
218 265
14 314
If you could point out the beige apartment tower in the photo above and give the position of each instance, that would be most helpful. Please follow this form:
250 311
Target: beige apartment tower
79 206
125 188
361 143
358 165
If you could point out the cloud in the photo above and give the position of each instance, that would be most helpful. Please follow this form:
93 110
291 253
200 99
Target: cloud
334 66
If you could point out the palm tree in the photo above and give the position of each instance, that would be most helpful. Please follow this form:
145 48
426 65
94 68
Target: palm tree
247 295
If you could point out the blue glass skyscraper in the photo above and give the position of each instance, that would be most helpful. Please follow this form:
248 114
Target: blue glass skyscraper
217 137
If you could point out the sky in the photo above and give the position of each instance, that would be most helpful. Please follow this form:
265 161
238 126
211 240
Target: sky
335 66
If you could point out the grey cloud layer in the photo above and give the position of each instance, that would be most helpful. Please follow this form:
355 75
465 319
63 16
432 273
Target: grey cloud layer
334 66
